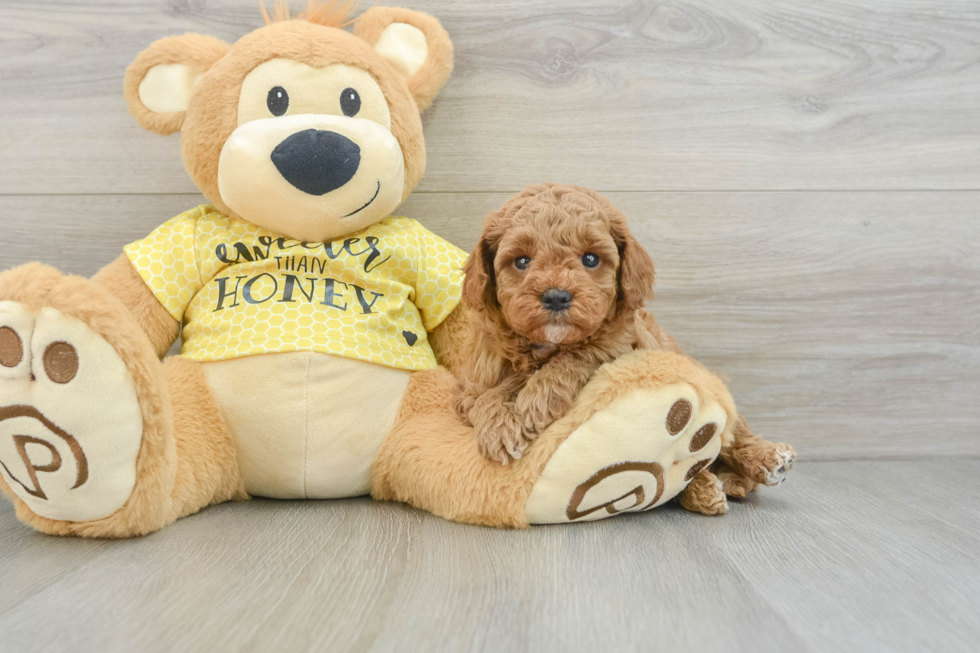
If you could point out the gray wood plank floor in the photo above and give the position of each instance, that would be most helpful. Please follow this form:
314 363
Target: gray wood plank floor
849 556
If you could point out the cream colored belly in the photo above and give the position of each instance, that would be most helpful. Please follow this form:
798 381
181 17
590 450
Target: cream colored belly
306 425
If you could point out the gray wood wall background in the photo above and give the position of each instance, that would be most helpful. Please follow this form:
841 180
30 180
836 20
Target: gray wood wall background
805 174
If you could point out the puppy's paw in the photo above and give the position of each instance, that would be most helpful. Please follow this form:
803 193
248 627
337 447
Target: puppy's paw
704 495
538 406
502 448
713 506
775 466
734 485
501 437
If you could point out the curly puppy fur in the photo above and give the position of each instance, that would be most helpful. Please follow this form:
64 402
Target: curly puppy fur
532 351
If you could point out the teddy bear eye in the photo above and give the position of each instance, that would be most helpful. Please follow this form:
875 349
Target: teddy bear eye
350 102
590 260
521 262
277 101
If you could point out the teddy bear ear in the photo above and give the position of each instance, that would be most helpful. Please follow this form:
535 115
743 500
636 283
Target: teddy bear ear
415 44
160 80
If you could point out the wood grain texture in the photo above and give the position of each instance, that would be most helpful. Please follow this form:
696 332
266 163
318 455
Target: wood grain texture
847 556
619 95
848 323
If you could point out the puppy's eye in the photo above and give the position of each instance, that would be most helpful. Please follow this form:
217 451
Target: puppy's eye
521 262
590 260
350 102
277 101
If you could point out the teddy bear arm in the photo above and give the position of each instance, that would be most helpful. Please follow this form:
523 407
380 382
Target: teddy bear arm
125 284
449 338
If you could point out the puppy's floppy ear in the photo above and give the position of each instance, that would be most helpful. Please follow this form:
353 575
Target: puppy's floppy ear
415 44
160 80
480 282
635 265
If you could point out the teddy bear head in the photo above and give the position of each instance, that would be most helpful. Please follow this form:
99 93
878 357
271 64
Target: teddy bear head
299 127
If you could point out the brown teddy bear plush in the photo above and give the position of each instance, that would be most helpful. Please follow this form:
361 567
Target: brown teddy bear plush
312 320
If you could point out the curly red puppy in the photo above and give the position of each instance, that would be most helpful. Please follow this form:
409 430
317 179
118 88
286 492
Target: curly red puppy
556 282
557 287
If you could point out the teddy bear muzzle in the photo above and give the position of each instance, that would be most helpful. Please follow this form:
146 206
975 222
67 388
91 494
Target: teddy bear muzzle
312 177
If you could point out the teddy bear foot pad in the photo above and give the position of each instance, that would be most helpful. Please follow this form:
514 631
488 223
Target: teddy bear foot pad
70 420
636 454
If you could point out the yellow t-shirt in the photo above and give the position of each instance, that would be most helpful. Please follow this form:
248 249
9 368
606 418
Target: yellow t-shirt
240 290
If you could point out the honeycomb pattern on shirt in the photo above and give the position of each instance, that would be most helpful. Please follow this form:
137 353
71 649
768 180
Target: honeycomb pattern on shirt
240 290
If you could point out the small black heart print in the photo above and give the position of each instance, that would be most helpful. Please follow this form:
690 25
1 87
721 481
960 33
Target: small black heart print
410 338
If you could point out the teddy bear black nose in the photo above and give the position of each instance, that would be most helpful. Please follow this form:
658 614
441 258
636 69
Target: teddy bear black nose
556 299
317 161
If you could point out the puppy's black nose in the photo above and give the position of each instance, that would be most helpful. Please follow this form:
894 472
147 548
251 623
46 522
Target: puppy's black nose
556 299
317 161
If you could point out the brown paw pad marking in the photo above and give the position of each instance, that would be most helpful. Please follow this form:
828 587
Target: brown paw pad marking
21 442
638 493
11 347
60 362
696 468
703 436
678 416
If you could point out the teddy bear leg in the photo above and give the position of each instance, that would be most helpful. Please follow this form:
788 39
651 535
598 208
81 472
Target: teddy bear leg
207 470
98 437
430 460
642 429
756 460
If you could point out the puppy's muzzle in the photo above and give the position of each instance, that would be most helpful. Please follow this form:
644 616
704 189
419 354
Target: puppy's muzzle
317 161
556 300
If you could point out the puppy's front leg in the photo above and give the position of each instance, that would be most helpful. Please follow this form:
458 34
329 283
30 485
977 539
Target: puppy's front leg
551 391
500 434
